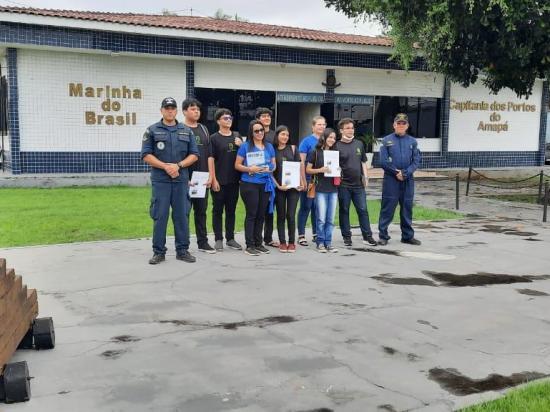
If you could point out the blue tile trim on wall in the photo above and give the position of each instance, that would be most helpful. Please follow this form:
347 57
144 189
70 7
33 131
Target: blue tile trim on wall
433 160
13 111
544 108
18 33
190 78
82 162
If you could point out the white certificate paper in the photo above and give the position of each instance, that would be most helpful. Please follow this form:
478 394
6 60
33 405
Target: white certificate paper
290 174
331 159
255 159
198 180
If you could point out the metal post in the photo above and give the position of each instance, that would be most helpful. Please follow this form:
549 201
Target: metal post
545 208
541 180
457 188
468 181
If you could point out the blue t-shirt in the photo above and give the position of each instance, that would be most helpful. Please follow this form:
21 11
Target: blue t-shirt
306 146
269 155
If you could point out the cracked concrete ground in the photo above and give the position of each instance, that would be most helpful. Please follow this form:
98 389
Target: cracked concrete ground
353 331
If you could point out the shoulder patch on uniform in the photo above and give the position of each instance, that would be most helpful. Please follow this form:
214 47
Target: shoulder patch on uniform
160 145
389 143
146 135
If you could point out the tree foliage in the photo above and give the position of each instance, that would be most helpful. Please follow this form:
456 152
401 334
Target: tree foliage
221 15
506 43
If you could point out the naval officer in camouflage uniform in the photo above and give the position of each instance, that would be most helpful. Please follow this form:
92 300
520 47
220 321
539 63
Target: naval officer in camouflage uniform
169 147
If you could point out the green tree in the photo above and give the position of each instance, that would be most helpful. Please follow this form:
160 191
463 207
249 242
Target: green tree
506 42
220 15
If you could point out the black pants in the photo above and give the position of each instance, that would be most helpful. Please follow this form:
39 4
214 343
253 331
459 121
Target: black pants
255 200
286 201
268 228
200 205
227 199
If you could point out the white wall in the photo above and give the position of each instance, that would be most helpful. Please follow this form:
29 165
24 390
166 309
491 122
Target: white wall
522 132
307 112
226 75
388 83
51 120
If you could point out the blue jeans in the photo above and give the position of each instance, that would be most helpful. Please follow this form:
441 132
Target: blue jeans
325 204
306 205
357 195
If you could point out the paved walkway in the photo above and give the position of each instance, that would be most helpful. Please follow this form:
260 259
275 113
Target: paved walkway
379 329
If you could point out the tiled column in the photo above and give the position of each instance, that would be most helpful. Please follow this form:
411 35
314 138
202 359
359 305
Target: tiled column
13 111
543 122
190 78
444 125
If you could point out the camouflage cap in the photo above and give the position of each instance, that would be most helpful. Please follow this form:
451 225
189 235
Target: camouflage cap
401 117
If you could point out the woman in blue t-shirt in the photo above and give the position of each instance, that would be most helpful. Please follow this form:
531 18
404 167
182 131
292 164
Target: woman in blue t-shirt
326 192
256 162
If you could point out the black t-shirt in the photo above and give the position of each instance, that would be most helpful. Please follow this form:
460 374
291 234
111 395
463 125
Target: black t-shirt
352 155
269 136
202 138
282 155
322 184
224 151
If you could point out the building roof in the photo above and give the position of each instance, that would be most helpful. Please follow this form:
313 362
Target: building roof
207 24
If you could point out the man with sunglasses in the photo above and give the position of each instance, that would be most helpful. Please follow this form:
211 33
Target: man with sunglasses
225 179
399 157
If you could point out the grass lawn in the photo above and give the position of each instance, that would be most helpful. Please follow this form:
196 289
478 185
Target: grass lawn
65 215
531 398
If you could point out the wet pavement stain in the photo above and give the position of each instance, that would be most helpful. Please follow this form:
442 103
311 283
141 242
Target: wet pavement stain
386 408
125 338
404 281
531 292
349 254
425 322
480 278
113 354
505 230
389 350
532 239
317 410
426 226
373 250
454 382
259 323
477 243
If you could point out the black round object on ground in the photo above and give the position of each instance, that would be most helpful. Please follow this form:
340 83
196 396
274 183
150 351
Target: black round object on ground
27 341
17 387
43 333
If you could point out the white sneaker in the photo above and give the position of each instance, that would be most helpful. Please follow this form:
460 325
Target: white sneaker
321 249
332 249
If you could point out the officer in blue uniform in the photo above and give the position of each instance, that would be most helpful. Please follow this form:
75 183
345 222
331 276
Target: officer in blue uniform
169 148
399 157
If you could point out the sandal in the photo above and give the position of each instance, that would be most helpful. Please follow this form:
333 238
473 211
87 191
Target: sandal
302 241
273 243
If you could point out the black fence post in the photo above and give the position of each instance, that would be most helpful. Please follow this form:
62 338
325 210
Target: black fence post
541 180
545 207
457 188
468 181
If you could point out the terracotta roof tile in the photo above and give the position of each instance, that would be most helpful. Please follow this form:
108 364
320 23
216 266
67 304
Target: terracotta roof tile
206 24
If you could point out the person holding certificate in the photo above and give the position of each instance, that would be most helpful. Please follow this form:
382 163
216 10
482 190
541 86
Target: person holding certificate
288 181
326 192
256 162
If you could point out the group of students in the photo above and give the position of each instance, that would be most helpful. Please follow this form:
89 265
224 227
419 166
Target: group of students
226 155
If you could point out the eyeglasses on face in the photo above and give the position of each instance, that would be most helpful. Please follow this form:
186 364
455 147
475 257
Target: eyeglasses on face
227 117
258 131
